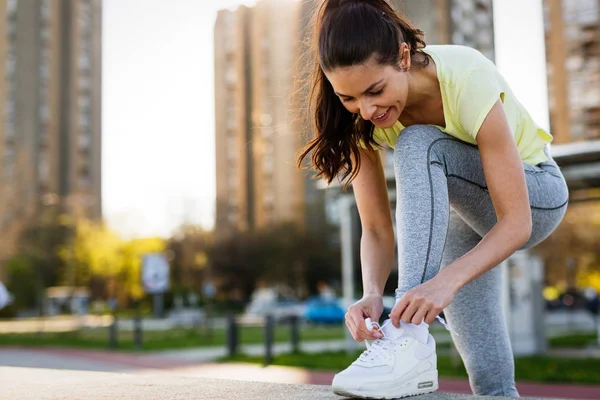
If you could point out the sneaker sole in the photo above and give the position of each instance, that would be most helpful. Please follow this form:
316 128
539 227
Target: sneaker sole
428 383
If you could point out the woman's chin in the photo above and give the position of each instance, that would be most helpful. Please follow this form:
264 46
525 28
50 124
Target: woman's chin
385 125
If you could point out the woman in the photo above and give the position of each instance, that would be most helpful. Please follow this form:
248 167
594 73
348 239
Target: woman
474 184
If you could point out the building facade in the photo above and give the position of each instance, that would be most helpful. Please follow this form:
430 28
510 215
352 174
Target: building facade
50 111
572 31
257 132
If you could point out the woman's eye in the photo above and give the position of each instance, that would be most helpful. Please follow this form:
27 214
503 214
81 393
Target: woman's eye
377 93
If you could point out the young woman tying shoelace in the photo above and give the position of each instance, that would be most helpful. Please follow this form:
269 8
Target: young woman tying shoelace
462 142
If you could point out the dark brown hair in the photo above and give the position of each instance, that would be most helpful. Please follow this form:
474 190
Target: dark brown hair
347 33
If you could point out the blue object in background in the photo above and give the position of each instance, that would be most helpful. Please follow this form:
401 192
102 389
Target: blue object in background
321 310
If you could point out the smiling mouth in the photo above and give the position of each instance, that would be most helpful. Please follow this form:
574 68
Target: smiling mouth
382 117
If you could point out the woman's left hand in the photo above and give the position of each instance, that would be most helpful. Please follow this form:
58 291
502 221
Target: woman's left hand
423 302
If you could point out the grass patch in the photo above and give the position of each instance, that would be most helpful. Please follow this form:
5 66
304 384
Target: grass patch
533 369
164 340
577 341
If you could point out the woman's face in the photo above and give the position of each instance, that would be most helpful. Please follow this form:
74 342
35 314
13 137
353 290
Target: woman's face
377 92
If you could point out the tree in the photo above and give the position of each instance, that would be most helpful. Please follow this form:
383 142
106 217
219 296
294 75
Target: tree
37 263
571 254
130 268
189 248
281 254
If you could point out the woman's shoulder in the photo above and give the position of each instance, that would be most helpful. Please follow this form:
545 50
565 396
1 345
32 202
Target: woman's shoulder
458 57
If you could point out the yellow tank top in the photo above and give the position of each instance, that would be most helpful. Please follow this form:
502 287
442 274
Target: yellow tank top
470 85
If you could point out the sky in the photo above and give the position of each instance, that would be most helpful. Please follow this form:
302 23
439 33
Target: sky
158 105
158 114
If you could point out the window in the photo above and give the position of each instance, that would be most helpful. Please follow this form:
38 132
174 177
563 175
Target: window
84 61
84 178
84 119
43 167
11 6
85 142
44 112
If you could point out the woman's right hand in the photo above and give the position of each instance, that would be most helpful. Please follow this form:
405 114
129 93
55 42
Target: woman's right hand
370 306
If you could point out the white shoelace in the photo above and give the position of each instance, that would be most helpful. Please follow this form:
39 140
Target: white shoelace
372 325
380 347
446 325
377 350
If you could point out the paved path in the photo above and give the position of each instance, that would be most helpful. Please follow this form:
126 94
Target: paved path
156 364
41 384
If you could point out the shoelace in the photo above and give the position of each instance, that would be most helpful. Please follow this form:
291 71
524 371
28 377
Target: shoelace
446 325
372 325
379 348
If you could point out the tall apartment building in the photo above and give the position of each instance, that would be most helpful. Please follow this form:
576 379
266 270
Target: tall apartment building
465 22
572 29
257 133
234 203
50 109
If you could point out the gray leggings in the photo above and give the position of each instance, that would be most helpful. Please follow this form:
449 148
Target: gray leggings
436 172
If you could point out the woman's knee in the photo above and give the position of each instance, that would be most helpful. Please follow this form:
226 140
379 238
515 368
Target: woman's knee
415 140
418 134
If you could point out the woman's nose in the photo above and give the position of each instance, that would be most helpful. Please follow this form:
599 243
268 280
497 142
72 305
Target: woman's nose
367 110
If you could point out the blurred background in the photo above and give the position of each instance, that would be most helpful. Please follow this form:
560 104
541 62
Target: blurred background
150 201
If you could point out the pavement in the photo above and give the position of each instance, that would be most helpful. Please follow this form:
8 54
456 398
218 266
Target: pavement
43 384
556 323
193 373
150 366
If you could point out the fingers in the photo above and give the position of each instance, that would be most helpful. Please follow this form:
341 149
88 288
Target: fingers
409 312
420 314
430 317
355 321
398 310
351 327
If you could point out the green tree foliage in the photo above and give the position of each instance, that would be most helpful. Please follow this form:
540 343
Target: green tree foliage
571 254
281 254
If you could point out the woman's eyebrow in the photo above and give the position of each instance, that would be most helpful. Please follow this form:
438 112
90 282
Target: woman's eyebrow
366 91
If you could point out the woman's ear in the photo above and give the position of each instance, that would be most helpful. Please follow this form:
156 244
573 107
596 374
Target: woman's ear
405 60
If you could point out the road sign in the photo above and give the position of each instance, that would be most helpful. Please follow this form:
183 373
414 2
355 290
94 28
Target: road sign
209 290
5 297
155 273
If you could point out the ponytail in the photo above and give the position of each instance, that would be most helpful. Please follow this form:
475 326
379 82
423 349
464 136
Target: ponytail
346 33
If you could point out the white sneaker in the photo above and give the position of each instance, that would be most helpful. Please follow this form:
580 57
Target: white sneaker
398 365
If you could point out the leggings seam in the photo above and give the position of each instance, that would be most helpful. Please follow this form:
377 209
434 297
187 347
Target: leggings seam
432 202
429 163
486 189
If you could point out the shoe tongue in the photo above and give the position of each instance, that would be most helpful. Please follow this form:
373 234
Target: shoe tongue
390 331
419 332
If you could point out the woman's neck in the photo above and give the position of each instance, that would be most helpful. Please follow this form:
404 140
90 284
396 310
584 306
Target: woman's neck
423 87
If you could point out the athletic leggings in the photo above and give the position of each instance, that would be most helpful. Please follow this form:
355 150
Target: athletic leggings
436 172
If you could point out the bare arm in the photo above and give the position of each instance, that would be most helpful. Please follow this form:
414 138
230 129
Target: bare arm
377 241
505 179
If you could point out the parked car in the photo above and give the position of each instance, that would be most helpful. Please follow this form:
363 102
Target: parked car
268 302
324 310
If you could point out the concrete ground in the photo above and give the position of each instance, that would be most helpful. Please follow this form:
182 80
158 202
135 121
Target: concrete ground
43 384
151 366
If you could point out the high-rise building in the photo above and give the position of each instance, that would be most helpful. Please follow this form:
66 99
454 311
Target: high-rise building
465 22
50 109
572 29
234 207
258 134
